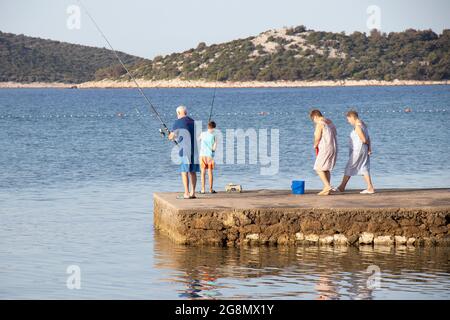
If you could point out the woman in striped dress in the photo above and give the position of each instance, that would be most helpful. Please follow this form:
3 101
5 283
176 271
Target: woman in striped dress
359 155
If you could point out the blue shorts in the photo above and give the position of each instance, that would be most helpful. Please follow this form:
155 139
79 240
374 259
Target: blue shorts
189 167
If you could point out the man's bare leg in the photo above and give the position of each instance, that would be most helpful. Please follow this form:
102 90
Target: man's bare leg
193 182
185 179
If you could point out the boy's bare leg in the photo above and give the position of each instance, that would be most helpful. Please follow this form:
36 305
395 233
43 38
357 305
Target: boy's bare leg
343 184
210 176
193 182
203 174
185 179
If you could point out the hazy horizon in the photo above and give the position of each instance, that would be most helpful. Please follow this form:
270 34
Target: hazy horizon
163 27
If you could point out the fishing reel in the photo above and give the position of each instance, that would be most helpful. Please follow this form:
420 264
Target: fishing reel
163 132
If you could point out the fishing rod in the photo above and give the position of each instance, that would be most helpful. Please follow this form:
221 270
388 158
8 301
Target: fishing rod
166 129
213 98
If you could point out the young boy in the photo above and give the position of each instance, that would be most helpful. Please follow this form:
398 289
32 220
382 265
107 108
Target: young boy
208 145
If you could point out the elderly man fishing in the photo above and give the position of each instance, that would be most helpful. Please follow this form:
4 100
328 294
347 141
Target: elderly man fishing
183 133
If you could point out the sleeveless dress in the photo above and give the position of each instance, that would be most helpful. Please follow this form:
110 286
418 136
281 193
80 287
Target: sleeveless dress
359 159
326 158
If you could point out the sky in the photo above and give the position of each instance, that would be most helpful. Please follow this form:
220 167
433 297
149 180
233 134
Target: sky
157 27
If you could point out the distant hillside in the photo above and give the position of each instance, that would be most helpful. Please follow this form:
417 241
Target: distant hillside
27 59
285 54
301 54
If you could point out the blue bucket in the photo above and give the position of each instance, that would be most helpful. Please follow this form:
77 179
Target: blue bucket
298 187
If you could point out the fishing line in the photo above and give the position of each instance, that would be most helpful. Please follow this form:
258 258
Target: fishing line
127 71
213 98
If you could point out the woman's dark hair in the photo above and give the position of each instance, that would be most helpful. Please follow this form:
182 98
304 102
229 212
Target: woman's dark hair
315 113
211 125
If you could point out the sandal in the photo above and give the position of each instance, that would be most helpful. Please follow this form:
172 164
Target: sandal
325 192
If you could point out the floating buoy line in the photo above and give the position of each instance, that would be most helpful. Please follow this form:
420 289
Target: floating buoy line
122 115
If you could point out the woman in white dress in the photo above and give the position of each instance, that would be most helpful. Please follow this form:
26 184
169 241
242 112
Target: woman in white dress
325 143
359 155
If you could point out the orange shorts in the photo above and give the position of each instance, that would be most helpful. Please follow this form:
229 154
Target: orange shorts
206 162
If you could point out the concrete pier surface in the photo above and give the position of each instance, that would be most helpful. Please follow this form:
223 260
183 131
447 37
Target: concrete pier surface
277 217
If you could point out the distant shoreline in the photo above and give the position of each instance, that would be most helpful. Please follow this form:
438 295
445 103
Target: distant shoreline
206 84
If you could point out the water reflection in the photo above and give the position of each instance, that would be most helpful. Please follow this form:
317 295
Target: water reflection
302 272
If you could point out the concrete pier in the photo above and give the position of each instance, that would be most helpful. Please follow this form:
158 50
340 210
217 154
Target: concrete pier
276 217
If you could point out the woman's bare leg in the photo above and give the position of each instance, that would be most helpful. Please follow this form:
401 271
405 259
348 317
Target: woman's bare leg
369 182
326 183
343 184
328 175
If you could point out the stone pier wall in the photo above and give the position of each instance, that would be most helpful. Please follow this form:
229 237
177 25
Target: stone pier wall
297 226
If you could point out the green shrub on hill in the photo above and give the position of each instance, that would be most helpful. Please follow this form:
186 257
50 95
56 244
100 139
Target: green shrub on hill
28 59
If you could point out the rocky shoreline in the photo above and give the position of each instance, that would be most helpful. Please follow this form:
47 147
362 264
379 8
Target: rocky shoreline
176 83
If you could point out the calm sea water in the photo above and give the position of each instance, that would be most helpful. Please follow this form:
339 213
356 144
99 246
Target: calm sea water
76 184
